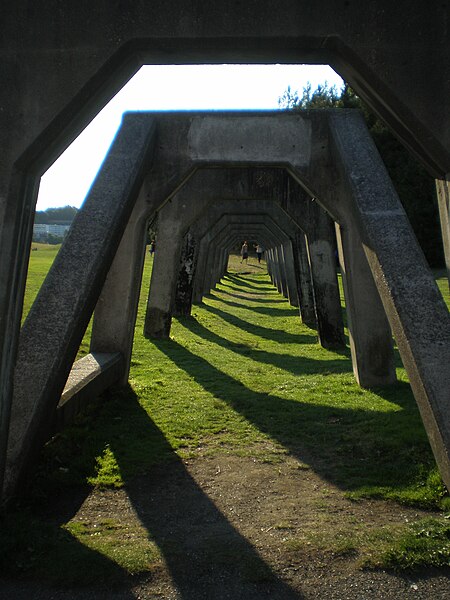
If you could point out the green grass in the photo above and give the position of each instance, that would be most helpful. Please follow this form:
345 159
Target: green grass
425 543
241 376
41 259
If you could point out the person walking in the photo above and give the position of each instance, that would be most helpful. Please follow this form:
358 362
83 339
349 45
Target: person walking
244 252
259 252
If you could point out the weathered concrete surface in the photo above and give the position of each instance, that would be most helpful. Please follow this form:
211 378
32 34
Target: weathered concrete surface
86 51
304 284
116 309
89 377
247 224
54 328
370 335
443 194
416 311
185 279
189 201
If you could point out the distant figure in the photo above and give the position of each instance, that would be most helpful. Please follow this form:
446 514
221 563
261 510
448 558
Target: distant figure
259 252
244 252
152 247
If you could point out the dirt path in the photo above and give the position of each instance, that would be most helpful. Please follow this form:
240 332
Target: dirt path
233 527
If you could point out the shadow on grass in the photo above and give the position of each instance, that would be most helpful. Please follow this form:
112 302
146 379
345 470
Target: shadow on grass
277 335
298 365
224 284
205 555
249 282
39 552
266 300
275 312
351 448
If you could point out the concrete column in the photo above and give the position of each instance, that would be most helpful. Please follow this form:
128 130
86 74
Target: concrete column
54 328
330 326
185 280
443 194
116 309
369 331
270 265
416 311
199 276
278 274
304 283
291 279
319 230
158 317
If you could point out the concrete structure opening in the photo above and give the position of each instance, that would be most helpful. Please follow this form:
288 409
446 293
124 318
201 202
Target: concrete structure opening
93 58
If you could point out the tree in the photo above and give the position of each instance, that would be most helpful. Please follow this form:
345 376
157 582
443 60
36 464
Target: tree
414 186
322 97
54 215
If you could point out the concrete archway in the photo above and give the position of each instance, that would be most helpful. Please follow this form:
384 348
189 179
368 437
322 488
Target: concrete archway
85 54
346 186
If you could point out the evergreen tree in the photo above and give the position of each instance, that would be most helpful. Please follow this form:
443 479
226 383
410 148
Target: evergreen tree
414 186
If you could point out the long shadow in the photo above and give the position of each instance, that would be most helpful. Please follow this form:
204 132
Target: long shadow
327 438
298 365
264 291
277 335
245 282
264 300
272 312
43 556
205 554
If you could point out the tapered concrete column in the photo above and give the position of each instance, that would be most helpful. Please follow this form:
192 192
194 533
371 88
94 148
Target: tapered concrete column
443 194
370 335
416 311
278 273
291 279
158 317
199 278
330 326
304 282
271 265
116 309
185 279
56 323
320 239
268 254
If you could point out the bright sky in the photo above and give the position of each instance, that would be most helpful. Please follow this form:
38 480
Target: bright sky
171 87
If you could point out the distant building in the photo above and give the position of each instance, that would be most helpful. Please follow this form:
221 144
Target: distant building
42 230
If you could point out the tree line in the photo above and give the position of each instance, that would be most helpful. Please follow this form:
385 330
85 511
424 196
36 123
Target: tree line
56 215
414 186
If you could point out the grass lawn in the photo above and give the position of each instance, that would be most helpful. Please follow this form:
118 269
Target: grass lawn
244 377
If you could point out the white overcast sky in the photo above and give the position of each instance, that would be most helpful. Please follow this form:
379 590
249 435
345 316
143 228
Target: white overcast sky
171 87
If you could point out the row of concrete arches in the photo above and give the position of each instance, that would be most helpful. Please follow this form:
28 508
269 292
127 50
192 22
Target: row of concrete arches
397 60
204 174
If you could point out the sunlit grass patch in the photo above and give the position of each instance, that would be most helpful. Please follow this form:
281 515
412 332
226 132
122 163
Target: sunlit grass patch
136 553
423 544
